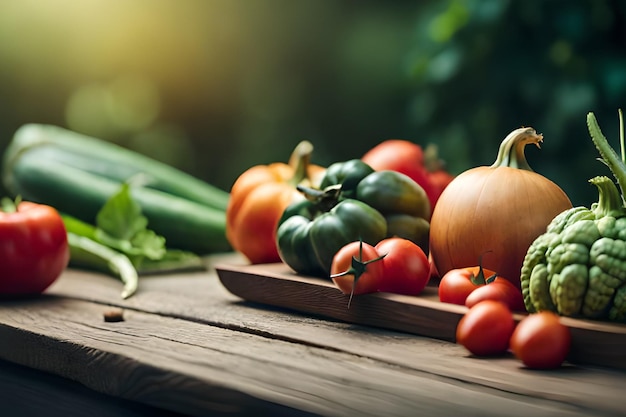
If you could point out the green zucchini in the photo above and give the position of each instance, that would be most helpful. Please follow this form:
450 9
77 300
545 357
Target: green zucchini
185 224
106 159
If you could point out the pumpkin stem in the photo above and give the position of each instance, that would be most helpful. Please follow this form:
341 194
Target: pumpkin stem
299 161
511 152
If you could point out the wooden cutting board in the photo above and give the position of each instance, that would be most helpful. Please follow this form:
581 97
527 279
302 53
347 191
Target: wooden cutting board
593 342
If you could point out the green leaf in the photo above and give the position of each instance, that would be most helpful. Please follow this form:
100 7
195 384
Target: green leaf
121 217
122 244
121 225
173 260
152 244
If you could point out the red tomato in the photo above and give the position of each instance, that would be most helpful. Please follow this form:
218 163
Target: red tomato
405 157
486 328
33 249
500 289
440 180
438 176
541 341
457 284
368 280
406 267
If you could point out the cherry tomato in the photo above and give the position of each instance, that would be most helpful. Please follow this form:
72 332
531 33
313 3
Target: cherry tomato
541 341
486 328
33 248
457 284
405 157
500 289
368 280
406 267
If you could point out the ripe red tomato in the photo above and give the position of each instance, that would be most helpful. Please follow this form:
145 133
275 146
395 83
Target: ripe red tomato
405 157
440 180
457 284
406 267
33 249
486 328
368 280
437 174
541 341
500 289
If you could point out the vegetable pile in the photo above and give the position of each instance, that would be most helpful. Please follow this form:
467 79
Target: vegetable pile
121 212
353 203
499 239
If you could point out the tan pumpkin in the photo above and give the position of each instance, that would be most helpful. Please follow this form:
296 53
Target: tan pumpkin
495 212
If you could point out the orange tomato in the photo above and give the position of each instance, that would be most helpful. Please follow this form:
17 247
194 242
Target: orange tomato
258 199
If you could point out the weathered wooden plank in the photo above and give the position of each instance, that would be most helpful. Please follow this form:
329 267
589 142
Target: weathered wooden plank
201 297
26 392
199 369
593 342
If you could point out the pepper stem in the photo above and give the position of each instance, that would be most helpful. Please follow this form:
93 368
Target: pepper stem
299 161
511 152
324 199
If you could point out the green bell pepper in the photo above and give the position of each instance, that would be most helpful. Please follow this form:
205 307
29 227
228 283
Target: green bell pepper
348 174
380 204
308 236
402 201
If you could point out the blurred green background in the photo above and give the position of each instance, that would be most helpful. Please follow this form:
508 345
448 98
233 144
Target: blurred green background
216 86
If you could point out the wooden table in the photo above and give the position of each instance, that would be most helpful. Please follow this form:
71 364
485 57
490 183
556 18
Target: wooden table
187 346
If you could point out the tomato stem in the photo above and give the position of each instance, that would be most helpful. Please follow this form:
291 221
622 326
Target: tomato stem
10 206
357 268
432 162
480 279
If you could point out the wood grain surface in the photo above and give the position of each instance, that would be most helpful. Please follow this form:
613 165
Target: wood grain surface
593 342
190 346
